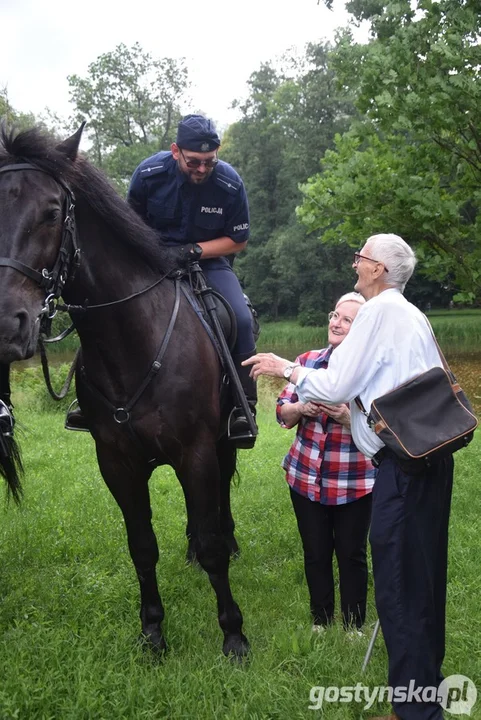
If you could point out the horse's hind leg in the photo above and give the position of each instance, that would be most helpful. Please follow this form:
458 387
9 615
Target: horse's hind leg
129 486
200 479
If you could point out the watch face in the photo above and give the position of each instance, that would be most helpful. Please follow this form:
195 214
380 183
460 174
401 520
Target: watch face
288 372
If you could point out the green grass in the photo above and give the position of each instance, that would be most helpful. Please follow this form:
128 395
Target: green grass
69 596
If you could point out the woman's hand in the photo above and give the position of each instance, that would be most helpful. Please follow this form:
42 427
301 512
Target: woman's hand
340 413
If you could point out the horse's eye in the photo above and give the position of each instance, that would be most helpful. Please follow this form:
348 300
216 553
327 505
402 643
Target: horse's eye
51 215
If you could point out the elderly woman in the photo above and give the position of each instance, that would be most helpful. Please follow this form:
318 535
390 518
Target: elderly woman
330 485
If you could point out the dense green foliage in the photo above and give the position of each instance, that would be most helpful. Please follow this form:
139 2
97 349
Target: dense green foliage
412 165
69 610
288 122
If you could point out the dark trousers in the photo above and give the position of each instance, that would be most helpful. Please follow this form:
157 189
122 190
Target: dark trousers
409 542
223 279
343 529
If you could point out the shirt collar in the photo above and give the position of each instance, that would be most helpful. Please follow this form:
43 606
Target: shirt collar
326 354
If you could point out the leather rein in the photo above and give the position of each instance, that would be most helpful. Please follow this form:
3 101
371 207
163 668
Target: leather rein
53 282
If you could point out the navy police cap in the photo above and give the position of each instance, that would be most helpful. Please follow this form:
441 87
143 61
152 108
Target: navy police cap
197 133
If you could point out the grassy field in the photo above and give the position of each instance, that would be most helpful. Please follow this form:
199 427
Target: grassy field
69 597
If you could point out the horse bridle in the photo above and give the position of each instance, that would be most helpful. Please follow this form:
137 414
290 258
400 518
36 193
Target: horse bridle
68 258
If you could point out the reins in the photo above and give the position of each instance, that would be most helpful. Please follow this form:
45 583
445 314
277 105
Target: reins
42 341
64 307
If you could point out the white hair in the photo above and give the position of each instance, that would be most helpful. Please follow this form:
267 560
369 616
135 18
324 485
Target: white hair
351 297
396 255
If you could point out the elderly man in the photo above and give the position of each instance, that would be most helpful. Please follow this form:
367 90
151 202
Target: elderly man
389 343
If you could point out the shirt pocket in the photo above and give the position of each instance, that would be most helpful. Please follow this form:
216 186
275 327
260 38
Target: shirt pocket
161 215
210 218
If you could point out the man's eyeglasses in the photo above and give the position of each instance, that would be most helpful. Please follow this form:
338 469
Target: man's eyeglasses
343 319
358 256
195 163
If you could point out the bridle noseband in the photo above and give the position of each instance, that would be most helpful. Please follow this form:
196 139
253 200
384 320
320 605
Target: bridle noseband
68 258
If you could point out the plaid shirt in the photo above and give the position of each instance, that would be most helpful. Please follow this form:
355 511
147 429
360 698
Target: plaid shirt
323 463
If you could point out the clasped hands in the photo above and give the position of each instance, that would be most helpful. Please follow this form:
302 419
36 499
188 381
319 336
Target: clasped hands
273 365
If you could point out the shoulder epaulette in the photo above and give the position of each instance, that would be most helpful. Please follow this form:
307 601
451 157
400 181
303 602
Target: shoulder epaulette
155 165
229 183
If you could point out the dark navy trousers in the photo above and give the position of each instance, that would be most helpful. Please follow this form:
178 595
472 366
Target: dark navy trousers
409 543
221 277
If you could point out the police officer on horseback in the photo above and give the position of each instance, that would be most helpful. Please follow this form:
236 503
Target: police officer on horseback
198 205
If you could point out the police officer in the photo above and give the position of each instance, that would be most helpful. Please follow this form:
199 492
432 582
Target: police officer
198 204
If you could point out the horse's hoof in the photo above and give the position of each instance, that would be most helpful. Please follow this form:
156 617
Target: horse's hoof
236 647
154 643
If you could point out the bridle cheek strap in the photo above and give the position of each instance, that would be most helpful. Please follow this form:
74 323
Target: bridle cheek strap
68 257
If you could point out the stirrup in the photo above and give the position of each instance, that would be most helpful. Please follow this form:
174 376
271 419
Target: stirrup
74 419
7 421
241 436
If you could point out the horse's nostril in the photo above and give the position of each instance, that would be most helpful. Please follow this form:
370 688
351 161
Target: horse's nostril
22 319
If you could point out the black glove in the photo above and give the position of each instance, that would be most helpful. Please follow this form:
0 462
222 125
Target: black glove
188 254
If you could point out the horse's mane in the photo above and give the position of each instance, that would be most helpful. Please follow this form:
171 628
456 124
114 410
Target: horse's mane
41 149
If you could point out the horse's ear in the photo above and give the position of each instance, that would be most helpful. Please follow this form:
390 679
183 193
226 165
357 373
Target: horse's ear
69 147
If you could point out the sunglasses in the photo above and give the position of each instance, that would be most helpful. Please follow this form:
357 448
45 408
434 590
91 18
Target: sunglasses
195 164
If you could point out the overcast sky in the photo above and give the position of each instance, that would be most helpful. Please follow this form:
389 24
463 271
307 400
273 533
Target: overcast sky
223 41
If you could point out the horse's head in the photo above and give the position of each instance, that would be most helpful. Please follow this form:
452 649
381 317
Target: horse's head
34 204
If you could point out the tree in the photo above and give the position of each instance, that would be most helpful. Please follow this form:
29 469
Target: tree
131 102
11 116
289 119
413 165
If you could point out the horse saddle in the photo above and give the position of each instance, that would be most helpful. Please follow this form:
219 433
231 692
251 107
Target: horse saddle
223 309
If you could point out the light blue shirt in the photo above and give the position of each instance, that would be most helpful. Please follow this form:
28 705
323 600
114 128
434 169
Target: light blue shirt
389 343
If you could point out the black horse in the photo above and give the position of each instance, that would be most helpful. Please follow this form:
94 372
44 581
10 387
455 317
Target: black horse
149 376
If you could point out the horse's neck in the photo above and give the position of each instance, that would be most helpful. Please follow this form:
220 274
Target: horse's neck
109 273
110 269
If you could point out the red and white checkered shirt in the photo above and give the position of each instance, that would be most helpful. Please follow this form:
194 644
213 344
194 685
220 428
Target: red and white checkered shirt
323 463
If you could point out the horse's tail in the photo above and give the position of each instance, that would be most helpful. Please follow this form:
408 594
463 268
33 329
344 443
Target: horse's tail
11 467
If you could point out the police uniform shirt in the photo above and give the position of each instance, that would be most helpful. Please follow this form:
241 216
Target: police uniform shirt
184 212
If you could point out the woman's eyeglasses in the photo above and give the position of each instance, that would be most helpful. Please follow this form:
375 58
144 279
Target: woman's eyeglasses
195 163
343 319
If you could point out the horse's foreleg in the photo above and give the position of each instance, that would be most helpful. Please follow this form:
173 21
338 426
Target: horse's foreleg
227 456
201 482
130 489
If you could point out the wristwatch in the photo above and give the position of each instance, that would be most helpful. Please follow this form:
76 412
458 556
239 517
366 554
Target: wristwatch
289 370
196 251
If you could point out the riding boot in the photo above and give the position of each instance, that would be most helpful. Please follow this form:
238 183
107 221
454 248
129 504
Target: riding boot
239 429
75 419
7 420
5 385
